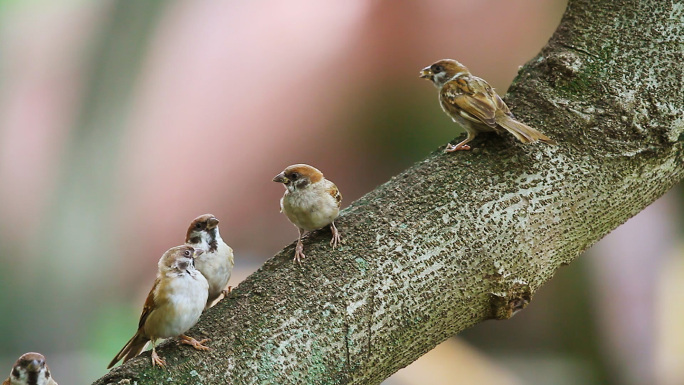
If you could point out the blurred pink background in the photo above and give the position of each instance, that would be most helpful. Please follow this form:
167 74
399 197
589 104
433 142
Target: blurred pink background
120 122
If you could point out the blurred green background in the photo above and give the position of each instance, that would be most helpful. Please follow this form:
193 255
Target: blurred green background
122 121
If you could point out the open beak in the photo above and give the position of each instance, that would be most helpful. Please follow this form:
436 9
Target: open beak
426 73
197 253
280 178
212 223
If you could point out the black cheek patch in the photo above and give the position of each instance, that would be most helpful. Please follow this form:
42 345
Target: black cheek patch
15 373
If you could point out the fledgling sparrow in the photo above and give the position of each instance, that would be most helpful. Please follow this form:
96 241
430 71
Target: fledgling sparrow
30 369
216 264
471 102
173 306
310 202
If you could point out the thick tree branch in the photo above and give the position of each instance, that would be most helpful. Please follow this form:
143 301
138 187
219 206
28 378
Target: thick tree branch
461 238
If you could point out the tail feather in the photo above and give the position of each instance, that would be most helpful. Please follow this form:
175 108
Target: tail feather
523 132
132 348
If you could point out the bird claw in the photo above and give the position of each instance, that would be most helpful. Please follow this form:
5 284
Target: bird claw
336 236
226 291
157 361
299 252
299 255
458 147
197 345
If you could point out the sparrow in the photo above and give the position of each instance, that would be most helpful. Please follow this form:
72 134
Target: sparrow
216 264
30 369
310 202
472 103
173 306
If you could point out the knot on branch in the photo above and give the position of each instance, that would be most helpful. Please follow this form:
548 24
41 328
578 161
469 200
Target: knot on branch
562 65
506 303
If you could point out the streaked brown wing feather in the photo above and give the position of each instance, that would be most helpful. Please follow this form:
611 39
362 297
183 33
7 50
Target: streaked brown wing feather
471 98
149 304
6 382
335 193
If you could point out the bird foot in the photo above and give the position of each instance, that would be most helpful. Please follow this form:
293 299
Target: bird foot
458 147
198 345
336 236
226 291
299 255
157 361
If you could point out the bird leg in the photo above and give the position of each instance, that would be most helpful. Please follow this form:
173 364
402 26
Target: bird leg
299 250
226 291
336 237
462 145
198 345
156 360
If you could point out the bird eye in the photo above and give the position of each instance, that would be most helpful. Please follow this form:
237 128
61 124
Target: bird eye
198 225
294 176
187 253
437 68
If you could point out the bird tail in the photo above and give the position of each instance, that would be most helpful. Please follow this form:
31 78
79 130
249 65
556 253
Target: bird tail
523 132
132 348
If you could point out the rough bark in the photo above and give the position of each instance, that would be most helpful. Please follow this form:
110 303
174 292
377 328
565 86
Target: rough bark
461 238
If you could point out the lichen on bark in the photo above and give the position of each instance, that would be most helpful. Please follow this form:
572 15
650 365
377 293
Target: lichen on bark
461 238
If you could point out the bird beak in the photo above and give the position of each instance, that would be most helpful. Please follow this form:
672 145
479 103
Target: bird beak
34 366
426 73
280 178
212 222
197 253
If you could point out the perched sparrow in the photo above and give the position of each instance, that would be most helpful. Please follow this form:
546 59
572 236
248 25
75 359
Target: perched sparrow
310 202
30 369
173 306
216 264
472 103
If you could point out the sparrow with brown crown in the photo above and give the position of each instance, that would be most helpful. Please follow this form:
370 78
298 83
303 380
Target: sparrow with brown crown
30 369
216 264
310 202
173 306
472 103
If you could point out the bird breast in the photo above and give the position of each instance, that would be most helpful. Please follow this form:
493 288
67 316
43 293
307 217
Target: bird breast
310 208
180 301
216 267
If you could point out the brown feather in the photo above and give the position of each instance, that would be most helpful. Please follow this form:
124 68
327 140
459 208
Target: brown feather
133 347
335 193
202 220
471 97
149 304
305 170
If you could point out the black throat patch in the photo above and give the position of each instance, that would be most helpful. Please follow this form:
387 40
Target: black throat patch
213 244
32 378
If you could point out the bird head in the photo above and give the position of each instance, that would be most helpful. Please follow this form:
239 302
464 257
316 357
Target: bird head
179 259
30 368
202 228
442 71
298 176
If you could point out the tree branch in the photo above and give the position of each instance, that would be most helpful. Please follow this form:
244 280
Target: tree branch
461 238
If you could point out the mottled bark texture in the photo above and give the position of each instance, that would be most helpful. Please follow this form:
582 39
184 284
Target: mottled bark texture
461 238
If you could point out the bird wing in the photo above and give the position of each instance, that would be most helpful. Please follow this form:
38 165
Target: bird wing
7 382
335 193
471 98
149 304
